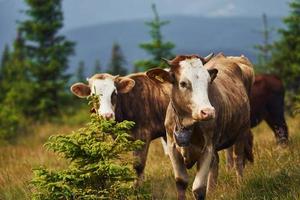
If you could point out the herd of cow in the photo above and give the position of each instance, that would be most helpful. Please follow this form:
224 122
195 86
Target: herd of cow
201 105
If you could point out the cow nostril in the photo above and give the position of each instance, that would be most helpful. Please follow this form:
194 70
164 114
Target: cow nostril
204 113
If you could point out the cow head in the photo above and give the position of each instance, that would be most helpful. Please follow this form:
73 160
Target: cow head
190 82
107 88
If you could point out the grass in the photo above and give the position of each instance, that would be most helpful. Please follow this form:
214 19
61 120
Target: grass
274 175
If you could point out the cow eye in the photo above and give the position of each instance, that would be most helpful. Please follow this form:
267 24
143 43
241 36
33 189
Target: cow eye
114 93
183 84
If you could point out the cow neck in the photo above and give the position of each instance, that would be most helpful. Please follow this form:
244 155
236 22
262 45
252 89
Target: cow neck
178 120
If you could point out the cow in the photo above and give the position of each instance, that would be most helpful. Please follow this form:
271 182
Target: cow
134 97
267 103
209 110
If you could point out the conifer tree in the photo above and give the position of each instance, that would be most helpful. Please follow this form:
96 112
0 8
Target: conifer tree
4 58
97 67
264 49
157 48
100 164
286 53
117 61
3 67
16 92
80 73
48 52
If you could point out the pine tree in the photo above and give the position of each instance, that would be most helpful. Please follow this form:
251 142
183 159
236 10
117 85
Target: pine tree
4 58
100 164
48 52
264 49
286 53
16 90
117 61
157 48
80 73
3 68
97 67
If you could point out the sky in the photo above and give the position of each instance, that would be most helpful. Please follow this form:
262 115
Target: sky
80 13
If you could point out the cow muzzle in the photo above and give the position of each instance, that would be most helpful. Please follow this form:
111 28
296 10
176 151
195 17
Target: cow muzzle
108 115
183 136
205 114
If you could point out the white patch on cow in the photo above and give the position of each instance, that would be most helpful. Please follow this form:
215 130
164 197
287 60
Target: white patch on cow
193 70
202 173
104 88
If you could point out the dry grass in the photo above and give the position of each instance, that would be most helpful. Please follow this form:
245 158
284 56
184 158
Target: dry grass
274 175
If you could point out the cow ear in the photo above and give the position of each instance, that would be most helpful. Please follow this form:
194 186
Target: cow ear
124 84
160 76
213 74
81 90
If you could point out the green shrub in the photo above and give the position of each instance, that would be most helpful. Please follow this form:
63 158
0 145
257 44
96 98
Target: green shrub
100 164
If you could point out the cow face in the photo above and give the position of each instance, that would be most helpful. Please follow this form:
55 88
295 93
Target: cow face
190 82
107 88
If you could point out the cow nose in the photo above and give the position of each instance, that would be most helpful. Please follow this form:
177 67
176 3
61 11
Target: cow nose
108 115
207 113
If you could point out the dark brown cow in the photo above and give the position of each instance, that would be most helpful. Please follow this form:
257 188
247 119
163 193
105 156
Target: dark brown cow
267 103
135 98
207 113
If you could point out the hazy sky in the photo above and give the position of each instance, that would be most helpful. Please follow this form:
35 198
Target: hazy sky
86 12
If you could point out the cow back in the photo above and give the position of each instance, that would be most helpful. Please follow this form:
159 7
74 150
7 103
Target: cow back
229 94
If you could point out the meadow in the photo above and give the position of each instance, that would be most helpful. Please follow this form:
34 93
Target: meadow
274 175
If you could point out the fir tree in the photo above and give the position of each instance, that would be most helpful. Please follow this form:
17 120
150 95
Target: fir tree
16 90
157 48
97 67
100 166
48 52
117 61
80 75
286 54
3 70
264 49
4 58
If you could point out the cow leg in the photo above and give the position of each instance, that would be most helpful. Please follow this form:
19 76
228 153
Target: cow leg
275 119
163 141
213 173
140 162
229 158
279 127
238 157
203 167
180 173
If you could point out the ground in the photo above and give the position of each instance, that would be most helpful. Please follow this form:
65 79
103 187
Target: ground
275 173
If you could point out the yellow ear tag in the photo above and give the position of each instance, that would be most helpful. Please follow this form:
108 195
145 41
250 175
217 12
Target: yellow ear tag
159 79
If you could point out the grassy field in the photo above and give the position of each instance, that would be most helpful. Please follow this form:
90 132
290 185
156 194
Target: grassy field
274 175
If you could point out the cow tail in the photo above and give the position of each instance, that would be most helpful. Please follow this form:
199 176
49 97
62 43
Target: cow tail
248 147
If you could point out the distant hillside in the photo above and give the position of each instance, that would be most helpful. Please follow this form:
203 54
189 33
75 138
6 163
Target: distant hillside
200 35
233 36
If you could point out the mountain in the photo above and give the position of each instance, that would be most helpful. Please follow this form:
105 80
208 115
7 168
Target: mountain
231 35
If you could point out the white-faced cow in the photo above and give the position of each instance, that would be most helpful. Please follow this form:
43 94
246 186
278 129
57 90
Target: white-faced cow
135 98
209 111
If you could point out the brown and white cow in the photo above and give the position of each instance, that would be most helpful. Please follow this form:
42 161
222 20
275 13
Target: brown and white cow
209 111
135 98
